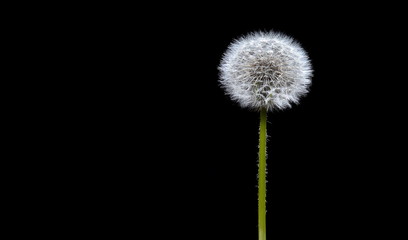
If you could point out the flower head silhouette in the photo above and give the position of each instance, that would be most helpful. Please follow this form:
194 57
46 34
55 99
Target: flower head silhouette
265 70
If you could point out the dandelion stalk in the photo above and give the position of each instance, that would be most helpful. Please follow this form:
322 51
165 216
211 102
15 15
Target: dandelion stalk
262 177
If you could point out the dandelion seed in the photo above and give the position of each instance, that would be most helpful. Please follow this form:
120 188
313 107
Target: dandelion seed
265 70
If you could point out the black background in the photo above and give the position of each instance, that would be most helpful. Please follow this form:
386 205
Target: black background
153 145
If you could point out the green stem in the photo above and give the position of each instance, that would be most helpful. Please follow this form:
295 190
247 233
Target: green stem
262 177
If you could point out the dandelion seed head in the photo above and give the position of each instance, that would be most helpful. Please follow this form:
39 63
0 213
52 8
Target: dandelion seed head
265 70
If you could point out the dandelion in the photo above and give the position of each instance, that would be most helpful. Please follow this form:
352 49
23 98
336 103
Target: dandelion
265 71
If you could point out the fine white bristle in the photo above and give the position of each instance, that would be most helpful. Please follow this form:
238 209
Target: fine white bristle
265 70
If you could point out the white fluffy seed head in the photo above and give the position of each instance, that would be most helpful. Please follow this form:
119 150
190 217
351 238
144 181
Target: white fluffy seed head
265 70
